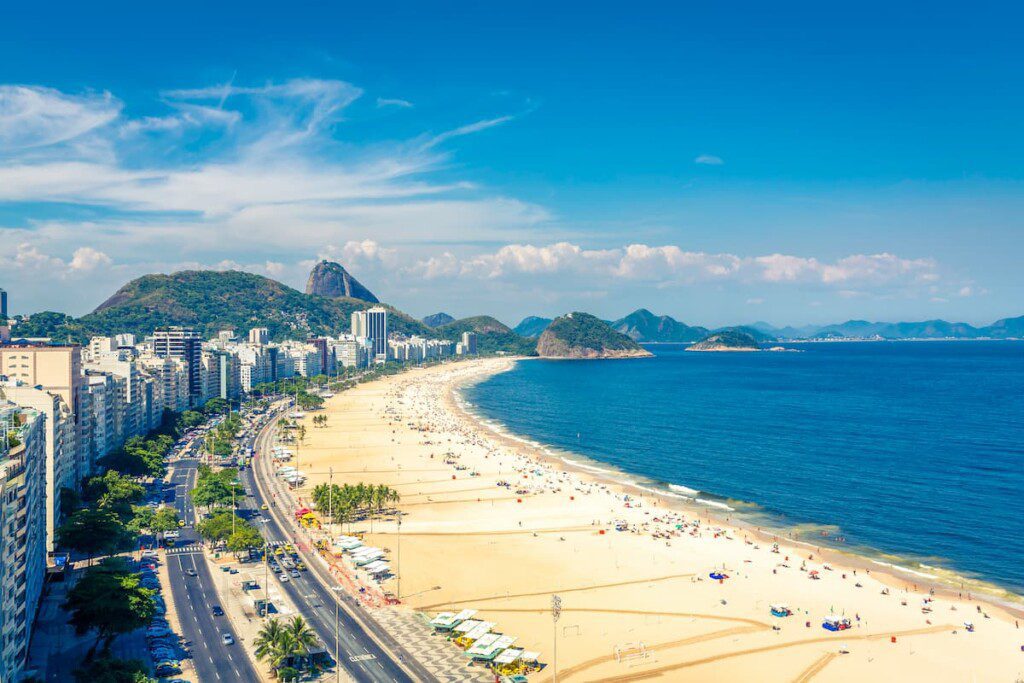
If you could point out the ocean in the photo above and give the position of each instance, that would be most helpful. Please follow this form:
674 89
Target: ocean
909 452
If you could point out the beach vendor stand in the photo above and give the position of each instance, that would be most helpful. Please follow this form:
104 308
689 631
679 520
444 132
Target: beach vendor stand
466 639
781 611
530 661
446 621
488 652
718 576
482 645
508 662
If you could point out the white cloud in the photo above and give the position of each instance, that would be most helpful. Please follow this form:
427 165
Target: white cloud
668 265
468 129
87 258
393 102
33 117
755 301
708 160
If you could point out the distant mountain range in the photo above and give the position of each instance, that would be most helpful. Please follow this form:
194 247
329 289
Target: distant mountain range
927 329
645 327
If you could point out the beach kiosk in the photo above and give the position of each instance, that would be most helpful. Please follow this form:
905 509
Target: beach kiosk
781 611
488 652
467 638
482 645
446 621
508 662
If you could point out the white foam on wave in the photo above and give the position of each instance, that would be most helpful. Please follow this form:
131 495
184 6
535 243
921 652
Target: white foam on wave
907 570
667 494
679 488
715 504
583 465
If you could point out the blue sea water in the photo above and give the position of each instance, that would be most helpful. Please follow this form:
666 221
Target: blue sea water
914 449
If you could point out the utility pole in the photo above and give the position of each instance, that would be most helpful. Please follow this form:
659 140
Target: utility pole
337 633
556 612
330 498
398 559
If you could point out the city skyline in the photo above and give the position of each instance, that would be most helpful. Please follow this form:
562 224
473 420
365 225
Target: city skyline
765 167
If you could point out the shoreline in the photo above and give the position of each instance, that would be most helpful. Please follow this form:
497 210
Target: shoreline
491 521
866 557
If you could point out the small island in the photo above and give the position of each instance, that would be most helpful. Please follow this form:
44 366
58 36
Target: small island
581 335
726 340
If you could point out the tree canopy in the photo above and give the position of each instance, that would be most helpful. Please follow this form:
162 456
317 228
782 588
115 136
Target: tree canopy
109 600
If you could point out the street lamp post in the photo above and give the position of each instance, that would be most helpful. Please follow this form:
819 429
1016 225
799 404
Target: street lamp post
398 557
556 612
337 633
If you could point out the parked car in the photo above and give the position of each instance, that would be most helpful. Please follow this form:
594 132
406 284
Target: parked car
217 611
227 639
284 577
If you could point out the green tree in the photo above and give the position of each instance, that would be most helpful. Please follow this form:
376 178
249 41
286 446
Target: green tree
115 491
94 532
246 536
112 670
109 600
165 519
216 406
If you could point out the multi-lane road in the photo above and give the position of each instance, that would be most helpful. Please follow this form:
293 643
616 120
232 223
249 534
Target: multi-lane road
195 596
359 636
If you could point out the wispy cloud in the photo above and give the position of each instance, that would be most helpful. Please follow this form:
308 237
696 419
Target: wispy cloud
34 117
468 129
393 102
708 160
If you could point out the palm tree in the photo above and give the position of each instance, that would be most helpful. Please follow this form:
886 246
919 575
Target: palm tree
301 636
269 642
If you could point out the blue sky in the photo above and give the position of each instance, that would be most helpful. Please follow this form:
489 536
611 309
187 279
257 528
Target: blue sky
791 163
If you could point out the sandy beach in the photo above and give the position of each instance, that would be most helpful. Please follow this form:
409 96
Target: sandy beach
490 523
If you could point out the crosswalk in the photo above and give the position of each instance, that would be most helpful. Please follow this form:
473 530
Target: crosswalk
184 549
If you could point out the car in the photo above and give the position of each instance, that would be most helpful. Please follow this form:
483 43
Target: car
181 522
227 639
167 668
232 570
294 573
190 572
284 577
217 611
264 507
301 566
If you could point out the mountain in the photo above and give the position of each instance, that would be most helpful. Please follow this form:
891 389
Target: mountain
643 326
531 326
734 339
758 336
1005 328
210 301
331 280
581 335
438 319
491 335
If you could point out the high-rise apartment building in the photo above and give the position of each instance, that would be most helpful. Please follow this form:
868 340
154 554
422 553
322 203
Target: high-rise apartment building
185 344
259 335
3 304
359 324
377 330
22 531
469 343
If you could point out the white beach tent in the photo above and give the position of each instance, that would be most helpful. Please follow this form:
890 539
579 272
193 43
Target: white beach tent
379 567
467 626
367 558
487 652
481 629
446 621
509 656
482 644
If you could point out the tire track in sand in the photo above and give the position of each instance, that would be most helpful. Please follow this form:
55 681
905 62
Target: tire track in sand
815 668
652 673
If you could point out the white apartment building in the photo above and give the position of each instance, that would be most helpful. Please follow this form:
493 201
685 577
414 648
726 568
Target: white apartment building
22 531
60 445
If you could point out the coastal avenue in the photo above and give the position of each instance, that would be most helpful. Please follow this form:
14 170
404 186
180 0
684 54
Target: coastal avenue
194 596
361 654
